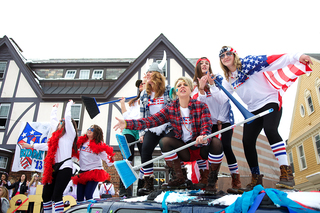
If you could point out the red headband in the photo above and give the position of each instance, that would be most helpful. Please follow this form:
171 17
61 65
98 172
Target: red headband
202 59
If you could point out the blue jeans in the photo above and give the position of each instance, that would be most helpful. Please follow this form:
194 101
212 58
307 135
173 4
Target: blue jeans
86 190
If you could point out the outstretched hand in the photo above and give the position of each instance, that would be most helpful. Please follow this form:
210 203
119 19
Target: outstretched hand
305 59
120 125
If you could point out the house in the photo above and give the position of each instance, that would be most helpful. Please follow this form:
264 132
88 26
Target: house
29 88
303 146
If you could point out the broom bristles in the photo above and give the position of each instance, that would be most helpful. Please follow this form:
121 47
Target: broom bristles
91 106
126 173
123 145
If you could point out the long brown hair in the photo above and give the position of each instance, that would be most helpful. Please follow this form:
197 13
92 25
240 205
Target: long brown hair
198 73
97 134
159 82
236 62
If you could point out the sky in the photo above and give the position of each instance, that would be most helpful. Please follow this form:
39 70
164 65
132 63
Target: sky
125 28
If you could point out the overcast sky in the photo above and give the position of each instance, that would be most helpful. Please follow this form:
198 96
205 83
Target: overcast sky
124 29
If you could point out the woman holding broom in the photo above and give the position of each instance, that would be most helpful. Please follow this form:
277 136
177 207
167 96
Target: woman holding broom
154 98
91 150
191 121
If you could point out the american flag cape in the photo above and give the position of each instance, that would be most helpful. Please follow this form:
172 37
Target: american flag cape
280 79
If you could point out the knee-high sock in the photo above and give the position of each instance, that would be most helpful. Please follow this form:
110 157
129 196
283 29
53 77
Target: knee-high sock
215 159
58 207
202 164
233 168
279 151
47 207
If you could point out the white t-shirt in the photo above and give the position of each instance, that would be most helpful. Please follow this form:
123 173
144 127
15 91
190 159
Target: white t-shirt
186 124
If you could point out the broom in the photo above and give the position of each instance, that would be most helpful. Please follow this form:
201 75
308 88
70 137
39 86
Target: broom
124 145
92 105
126 171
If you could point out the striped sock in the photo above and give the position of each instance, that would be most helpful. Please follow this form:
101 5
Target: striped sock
215 159
148 171
171 157
233 168
58 207
47 207
279 151
202 164
141 173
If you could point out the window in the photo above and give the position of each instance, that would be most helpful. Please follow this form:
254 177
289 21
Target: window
75 113
317 86
301 157
164 69
3 162
70 74
4 113
84 74
302 111
291 161
317 147
309 103
3 66
97 74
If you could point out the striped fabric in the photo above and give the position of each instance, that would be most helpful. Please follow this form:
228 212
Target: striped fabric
215 159
58 207
233 168
171 157
148 171
47 207
279 151
202 164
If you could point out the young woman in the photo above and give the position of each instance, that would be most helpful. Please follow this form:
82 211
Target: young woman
91 150
245 77
133 112
221 116
106 189
4 179
153 99
191 121
4 203
20 187
33 184
58 163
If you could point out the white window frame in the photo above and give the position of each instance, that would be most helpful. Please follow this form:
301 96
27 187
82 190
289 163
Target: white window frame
317 86
4 70
164 69
300 158
76 119
317 153
3 162
307 95
84 74
95 76
290 161
70 75
5 117
302 111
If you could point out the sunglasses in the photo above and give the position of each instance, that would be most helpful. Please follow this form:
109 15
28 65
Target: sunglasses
91 129
224 55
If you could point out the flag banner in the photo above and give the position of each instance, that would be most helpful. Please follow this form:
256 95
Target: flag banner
29 159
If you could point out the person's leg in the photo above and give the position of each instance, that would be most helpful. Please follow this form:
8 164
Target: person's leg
80 192
62 179
47 197
89 189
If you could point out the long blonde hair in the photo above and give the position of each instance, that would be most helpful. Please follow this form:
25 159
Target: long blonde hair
236 62
159 82
33 180
5 192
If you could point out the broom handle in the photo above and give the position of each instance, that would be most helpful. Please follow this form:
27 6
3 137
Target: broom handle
109 102
209 136
134 142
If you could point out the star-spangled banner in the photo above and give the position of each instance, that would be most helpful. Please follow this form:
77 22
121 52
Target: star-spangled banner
30 159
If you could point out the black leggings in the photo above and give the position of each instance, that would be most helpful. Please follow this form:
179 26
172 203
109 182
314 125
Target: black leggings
226 138
54 191
170 143
150 141
131 139
269 123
